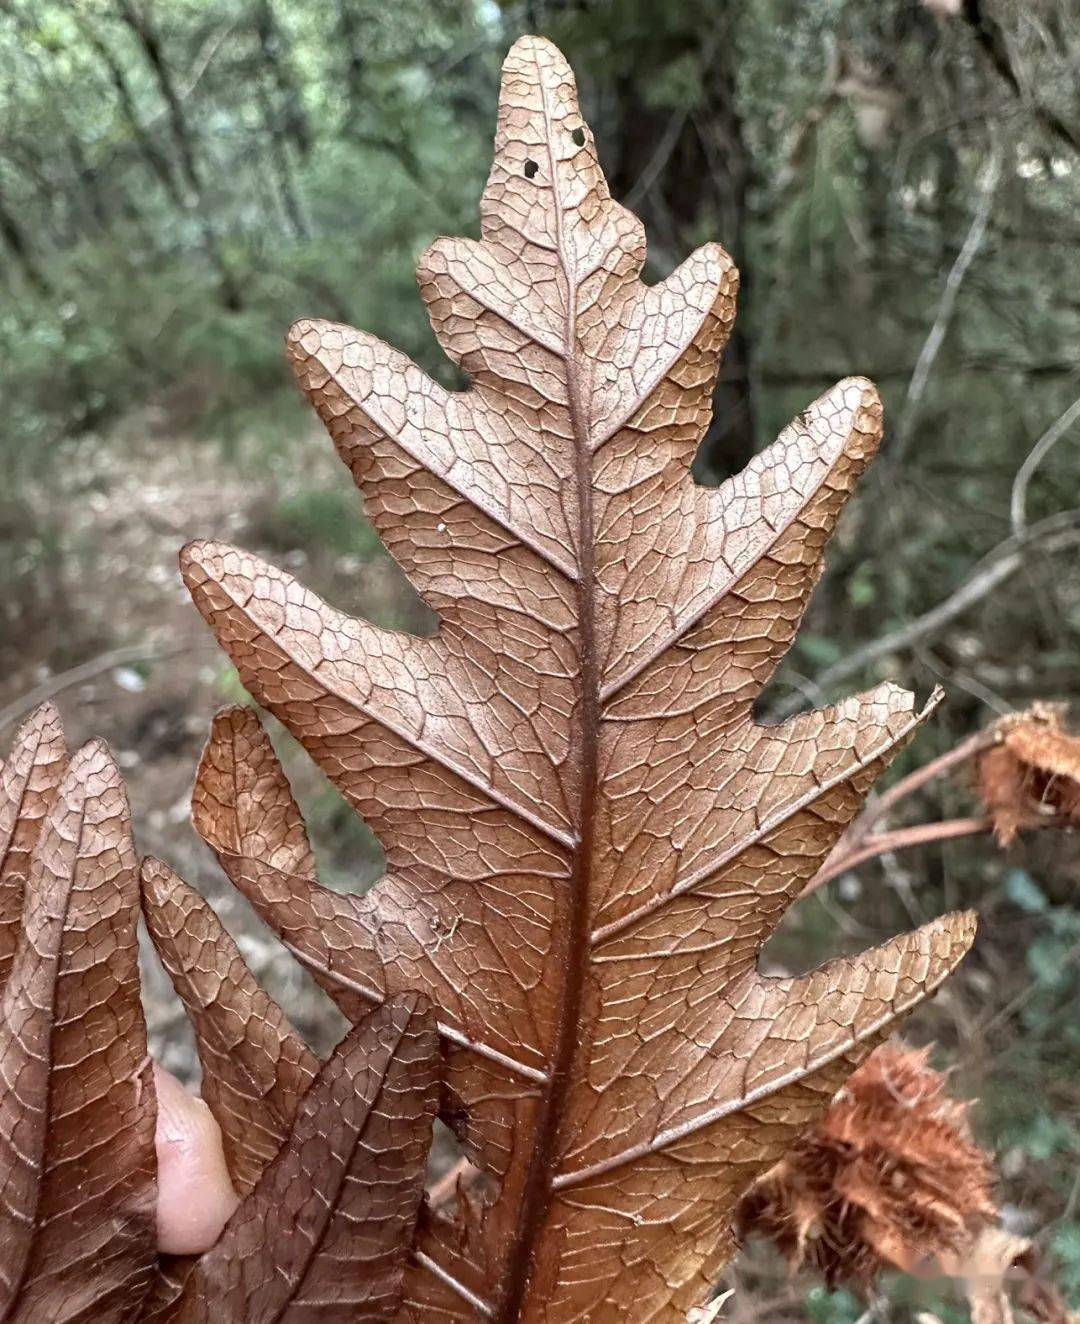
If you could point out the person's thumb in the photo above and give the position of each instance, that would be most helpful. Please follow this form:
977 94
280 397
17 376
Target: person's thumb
195 1196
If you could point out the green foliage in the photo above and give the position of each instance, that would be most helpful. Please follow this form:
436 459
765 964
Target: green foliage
839 1307
326 517
1066 1248
300 169
1023 891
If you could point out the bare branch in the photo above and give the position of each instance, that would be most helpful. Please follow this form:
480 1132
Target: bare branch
955 279
1052 535
95 666
1039 452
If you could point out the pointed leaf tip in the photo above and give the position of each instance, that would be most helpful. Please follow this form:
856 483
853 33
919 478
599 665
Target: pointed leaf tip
255 1065
350 1174
29 781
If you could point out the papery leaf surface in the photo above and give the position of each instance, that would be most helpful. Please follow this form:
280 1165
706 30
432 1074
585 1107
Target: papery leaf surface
326 1232
77 1163
255 1066
588 835
29 780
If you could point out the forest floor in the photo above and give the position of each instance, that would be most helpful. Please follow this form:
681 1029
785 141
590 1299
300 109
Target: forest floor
114 640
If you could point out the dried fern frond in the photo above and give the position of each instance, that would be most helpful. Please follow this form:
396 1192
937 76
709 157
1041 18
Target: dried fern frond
890 1176
588 835
1031 773
329 1159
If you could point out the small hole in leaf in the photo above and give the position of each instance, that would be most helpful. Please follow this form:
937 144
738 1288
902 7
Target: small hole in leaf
579 137
531 167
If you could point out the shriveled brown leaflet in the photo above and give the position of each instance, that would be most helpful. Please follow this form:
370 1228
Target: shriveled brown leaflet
1030 776
326 1232
255 1065
76 1092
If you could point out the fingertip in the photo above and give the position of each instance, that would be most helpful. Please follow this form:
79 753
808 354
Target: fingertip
195 1196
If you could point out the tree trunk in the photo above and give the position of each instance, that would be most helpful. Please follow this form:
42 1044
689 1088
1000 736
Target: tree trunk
354 61
88 182
279 159
184 139
277 58
148 149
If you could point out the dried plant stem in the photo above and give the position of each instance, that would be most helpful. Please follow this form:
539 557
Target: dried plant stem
88 670
1055 534
861 843
914 781
882 843
444 1189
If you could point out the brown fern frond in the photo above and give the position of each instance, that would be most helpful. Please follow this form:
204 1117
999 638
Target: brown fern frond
588 835
589 838
331 1162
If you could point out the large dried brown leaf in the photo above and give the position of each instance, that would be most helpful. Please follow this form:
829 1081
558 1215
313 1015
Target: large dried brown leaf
255 1065
326 1232
589 838
29 781
76 1093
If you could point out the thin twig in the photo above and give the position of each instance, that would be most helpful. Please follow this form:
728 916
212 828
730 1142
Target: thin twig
441 1192
1001 564
970 247
859 843
64 680
1049 439
920 834
659 159
888 800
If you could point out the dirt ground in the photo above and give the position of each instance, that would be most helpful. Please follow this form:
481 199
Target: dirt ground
125 656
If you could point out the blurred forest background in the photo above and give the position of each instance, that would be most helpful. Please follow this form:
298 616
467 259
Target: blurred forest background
899 183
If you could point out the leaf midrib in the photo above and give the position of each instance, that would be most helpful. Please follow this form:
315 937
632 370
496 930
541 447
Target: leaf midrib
539 1185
